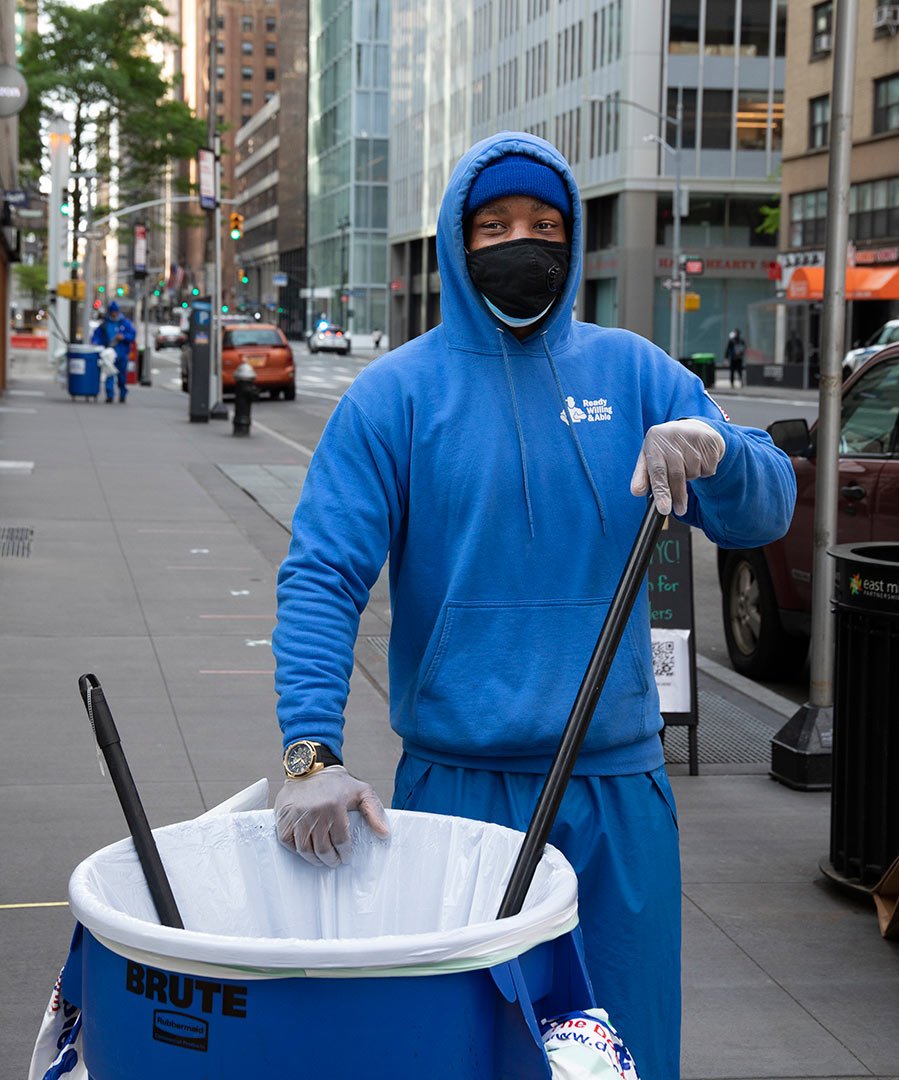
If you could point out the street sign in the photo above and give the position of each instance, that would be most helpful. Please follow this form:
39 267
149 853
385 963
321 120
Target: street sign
692 265
17 197
691 301
279 280
140 251
70 290
206 170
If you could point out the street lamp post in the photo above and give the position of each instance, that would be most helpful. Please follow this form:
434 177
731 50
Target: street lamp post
675 335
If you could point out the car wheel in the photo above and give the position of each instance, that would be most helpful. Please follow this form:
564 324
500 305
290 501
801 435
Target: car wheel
290 393
757 644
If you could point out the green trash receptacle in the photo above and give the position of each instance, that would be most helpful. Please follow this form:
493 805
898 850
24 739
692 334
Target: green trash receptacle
704 365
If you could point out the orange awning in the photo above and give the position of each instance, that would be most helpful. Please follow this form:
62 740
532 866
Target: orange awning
862 283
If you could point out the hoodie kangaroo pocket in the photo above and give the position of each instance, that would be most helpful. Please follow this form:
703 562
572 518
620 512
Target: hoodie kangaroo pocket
501 678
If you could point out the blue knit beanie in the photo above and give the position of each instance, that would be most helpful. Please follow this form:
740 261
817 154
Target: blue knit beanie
518 174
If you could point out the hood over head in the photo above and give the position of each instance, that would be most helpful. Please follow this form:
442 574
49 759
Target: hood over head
467 322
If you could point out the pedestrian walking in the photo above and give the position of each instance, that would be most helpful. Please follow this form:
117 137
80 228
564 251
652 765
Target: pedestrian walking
734 353
501 461
376 338
117 332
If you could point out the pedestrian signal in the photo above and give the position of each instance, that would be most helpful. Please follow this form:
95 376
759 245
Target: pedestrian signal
236 224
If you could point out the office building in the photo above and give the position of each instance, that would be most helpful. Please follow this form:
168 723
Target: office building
873 255
592 77
349 87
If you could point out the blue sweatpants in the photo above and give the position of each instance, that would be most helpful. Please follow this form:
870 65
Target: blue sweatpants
121 377
620 835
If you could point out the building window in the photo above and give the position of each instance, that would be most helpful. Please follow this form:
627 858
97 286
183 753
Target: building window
780 40
716 119
246 97
819 122
754 119
683 33
688 133
246 73
268 95
755 27
246 24
886 104
271 48
245 119
246 47
822 29
220 22
219 46
874 209
270 24
271 74
719 30
219 73
808 218
220 97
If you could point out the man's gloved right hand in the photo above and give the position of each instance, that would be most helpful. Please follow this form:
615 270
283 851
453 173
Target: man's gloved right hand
312 815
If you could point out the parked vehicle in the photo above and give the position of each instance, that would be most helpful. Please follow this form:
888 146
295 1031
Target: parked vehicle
329 337
169 337
888 334
264 347
767 592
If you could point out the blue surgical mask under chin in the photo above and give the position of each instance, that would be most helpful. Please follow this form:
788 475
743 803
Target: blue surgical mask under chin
510 320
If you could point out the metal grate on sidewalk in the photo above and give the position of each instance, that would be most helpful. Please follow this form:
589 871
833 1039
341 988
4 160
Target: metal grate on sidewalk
15 541
727 734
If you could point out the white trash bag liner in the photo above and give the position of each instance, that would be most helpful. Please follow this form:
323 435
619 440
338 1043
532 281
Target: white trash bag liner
423 901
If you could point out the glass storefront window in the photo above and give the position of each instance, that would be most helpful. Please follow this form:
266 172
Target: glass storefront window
719 28
716 119
755 18
753 120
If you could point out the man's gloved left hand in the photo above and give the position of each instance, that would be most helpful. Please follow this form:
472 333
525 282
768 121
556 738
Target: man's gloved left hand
672 454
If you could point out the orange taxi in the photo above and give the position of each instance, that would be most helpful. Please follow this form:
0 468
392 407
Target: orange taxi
264 347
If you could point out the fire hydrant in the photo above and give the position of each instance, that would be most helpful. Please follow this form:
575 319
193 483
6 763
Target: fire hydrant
244 392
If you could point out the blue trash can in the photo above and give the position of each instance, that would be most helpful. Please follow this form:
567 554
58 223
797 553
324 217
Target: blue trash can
393 967
83 367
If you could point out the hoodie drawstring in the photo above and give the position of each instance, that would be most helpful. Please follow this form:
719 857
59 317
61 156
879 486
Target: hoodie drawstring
522 448
577 441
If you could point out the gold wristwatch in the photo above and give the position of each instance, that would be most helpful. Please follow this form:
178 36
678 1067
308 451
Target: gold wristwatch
304 758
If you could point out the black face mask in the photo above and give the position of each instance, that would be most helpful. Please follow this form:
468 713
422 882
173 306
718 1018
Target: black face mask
520 279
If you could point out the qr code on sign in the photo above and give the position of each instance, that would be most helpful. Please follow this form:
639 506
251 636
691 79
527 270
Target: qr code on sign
663 659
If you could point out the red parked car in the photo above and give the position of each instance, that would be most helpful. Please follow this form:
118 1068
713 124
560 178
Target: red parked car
767 592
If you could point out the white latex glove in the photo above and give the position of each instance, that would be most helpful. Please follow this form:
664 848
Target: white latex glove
672 454
312 815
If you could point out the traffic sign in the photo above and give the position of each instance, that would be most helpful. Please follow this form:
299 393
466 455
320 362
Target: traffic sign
692 265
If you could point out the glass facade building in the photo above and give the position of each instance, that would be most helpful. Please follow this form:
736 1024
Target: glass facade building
598 78
349 90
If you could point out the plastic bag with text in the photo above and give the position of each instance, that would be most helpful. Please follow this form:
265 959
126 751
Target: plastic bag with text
57 1050
582 1045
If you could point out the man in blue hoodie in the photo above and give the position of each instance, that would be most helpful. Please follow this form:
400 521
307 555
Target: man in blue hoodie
499 461
116 331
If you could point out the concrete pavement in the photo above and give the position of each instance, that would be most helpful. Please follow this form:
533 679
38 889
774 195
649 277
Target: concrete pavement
143 548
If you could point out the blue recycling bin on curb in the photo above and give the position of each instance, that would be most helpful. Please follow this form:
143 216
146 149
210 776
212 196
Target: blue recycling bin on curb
393 967
83 370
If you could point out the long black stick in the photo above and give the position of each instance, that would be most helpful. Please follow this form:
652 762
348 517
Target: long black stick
581 713
108 741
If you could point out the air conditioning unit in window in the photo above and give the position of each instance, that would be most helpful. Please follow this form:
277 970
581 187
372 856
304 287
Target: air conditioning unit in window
823 43
886 16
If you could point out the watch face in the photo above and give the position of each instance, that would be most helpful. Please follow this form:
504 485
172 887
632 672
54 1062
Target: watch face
300 758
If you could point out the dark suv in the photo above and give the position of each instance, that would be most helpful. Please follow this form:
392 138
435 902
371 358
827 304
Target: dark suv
767 592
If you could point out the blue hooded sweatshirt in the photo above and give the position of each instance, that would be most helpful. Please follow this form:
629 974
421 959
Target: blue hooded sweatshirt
495 473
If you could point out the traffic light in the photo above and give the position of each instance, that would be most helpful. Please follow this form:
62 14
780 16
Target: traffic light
120 291
224 309
235 222
244 280
64 208
194 292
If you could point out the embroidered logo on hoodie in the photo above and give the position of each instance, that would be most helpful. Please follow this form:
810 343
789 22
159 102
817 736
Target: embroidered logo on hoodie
590 409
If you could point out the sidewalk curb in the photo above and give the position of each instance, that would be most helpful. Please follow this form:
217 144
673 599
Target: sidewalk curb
761 694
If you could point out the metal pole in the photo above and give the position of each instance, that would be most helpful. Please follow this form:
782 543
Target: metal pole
88 266
801 750
676 294
218 409
146 377
833 328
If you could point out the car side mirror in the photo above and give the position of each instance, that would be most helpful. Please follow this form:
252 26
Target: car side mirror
791 436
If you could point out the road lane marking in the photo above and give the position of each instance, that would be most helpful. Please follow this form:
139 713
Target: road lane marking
44 903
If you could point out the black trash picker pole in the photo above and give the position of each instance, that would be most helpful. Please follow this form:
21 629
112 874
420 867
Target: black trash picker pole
108 741
559 774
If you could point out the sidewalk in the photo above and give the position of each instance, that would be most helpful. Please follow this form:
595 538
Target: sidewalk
143 548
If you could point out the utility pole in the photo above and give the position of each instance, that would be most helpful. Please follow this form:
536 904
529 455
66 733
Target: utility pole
58 231
801 750
214 242
343 225
88 260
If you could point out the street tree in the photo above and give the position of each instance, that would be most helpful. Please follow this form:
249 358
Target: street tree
96 66
32 280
